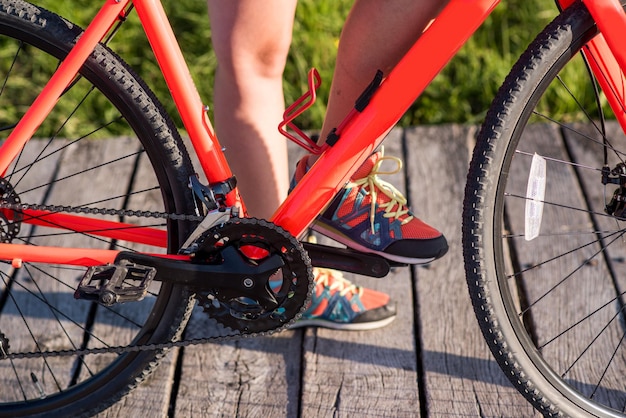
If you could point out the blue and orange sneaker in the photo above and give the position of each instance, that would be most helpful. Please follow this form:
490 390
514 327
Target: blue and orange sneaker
338 304
370 215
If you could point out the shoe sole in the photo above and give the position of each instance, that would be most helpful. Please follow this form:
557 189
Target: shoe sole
341 238
352 326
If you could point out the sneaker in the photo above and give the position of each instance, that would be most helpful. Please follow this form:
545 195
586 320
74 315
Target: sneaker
338 304
370 215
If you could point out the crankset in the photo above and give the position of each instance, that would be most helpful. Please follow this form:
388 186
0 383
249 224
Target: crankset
274 275
249 274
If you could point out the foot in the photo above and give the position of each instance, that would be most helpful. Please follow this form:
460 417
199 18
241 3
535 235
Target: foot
338 304
370 215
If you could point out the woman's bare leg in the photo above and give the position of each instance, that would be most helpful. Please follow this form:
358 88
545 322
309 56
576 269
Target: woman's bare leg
376 35
251 39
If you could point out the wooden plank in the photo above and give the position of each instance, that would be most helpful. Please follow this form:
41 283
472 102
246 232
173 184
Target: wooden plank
608 269
54 330
573 280
253 377
564 280
61 321
366 373
152 398
460 376
373 373
586 147
250 378
21 307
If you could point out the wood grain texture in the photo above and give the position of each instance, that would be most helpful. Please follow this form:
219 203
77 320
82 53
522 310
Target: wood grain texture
430 362
366 373
460 377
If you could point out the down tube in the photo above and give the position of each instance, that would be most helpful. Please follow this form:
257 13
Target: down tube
365 131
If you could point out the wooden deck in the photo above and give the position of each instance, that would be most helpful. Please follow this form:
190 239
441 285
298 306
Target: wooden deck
430 362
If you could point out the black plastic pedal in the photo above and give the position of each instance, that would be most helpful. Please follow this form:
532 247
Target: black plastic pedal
115 283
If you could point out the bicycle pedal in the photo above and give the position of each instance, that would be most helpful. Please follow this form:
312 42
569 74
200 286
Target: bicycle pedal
115 283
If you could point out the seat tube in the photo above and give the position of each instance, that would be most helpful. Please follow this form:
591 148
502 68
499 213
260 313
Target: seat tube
185 94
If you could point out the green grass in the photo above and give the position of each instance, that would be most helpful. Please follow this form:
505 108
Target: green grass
461 93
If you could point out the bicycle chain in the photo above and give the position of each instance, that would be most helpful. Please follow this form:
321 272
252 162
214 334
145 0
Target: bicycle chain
127 348
142 347
100 211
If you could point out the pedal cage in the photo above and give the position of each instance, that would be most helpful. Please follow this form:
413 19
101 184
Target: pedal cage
115 283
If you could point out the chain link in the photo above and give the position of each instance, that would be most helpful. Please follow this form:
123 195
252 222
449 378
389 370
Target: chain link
141 347
99 211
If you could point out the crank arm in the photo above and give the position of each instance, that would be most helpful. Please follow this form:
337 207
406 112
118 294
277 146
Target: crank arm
346 259
232 274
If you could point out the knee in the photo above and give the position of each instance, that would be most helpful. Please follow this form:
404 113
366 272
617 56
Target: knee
260 59
268 60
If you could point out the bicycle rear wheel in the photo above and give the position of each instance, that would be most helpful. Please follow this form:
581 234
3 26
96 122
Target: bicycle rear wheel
73 163
544 262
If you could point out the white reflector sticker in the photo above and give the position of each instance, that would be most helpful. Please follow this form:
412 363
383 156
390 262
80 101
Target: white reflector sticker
535 193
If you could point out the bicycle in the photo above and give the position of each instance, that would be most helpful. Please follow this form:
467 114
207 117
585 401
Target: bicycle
140 254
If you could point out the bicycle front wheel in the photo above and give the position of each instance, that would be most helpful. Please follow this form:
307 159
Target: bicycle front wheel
544 261
72 166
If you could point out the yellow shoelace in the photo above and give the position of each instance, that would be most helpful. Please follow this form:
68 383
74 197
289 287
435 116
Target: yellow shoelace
372 184
334 280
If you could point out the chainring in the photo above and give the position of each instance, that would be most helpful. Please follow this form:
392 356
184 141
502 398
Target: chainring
282 284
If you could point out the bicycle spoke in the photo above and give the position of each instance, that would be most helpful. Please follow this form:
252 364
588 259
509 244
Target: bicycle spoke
105 170
544 230
23 170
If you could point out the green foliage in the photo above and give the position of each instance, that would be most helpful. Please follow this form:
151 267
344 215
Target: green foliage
461 93
315 40
465 88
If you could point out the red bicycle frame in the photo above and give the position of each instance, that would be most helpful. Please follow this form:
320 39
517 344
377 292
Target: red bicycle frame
361 133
